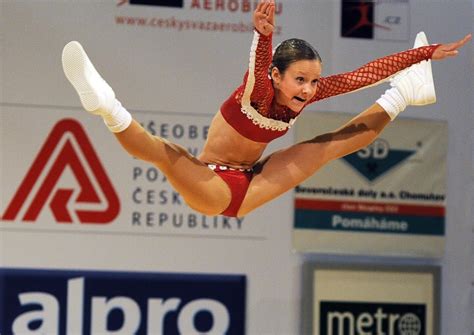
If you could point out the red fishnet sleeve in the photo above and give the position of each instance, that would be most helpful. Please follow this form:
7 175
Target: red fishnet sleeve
263 58
371 73
257 89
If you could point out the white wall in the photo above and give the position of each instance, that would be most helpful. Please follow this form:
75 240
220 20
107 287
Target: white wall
471 192
160 72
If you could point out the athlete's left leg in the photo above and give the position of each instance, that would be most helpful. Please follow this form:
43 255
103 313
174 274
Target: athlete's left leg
287 168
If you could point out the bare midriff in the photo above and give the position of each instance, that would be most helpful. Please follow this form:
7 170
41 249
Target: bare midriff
225 146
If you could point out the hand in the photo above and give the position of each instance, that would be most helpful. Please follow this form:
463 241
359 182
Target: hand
264 17
450 49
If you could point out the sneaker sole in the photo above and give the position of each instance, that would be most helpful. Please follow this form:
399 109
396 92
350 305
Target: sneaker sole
80 72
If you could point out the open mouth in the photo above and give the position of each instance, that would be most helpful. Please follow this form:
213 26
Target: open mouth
300 99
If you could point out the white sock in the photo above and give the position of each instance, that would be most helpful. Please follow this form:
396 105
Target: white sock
392 102
118 119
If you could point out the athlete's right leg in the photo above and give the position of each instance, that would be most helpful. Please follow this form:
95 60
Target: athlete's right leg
97 97
201 188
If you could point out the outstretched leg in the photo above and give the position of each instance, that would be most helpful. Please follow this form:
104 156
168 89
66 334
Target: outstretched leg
201 188
283 170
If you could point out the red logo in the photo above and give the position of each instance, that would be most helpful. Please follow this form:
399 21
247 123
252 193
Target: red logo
67 157
358 19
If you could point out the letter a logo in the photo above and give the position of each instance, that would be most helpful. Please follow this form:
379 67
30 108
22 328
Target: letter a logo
53 167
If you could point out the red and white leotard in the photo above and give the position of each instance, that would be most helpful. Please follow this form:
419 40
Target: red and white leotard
252 112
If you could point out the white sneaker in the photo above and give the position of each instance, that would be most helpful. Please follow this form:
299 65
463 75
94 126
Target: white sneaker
97 97
420 40
416 83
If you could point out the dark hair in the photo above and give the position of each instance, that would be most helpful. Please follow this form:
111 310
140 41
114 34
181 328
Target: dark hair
293 50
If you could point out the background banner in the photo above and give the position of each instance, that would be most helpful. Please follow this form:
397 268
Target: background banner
100 302
388 198
374 299
72 176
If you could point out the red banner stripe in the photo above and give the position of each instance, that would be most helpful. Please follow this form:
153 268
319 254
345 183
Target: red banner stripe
369 207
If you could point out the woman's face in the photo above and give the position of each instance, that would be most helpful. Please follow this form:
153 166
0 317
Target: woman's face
297 85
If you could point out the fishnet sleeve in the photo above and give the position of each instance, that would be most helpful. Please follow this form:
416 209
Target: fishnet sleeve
371 73
257 88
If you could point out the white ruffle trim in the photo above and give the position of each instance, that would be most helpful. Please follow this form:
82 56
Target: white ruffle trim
264 122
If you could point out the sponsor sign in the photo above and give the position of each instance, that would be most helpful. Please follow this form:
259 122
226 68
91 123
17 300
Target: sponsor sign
165 3
73 176
86 302
192 15
375 300
372 318
370 201
66 157
375 19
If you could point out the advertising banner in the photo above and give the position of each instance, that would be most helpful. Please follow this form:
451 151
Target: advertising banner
341 299
71 175
388 198
107 302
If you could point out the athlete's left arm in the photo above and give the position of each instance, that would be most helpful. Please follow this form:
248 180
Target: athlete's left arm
378 70
371 73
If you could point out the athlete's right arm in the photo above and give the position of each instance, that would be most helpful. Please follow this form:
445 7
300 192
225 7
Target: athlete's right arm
257 86
255 94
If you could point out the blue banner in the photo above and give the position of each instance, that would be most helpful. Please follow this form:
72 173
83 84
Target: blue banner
86 302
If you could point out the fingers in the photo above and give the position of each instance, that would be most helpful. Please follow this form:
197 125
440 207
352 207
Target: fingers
451 53
265 6
466 39
450 49
444 52
271 11
263 16
458 44
265 12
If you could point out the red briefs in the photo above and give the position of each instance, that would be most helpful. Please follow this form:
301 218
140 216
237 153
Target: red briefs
238 181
